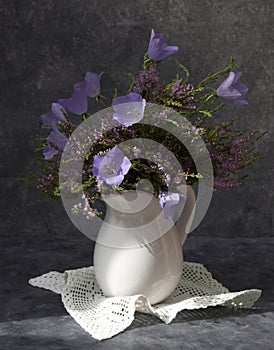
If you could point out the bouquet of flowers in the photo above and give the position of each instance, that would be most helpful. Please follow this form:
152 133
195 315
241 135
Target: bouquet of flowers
231 150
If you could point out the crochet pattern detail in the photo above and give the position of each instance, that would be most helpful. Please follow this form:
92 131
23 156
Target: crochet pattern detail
103 317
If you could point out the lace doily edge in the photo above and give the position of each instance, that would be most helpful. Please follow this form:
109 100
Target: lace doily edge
57 282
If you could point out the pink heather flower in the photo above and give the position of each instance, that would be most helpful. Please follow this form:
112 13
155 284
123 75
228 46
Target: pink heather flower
197 131
148 80
99 184
85 209
225 183
179 90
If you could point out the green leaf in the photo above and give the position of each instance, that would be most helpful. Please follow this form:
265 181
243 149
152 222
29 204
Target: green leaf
205 112
57 192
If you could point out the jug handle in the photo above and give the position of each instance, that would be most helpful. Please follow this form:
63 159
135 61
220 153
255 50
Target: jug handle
184 222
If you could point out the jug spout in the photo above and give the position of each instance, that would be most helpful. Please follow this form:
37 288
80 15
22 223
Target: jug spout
184 222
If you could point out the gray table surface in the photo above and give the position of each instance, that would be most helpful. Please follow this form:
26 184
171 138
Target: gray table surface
32 318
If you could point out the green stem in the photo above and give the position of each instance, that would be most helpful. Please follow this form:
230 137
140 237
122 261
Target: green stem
213 77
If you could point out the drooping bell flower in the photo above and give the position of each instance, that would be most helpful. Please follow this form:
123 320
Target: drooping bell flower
232 90
58 139
93 85
78 103
172 205
57 114
129 109
158 48
49 152
112 167
56 143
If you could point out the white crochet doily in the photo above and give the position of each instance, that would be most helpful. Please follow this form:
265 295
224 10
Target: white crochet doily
103 317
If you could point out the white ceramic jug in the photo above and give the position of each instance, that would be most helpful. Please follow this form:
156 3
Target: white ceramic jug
137 250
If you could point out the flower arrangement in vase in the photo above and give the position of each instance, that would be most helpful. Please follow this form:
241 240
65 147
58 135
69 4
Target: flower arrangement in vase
129 258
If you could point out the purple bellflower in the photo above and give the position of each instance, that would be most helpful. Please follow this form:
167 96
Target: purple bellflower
129 109
92 81
59 111
78 103
158 49
112 167
49 152
56 115
232 90
172 205
58 140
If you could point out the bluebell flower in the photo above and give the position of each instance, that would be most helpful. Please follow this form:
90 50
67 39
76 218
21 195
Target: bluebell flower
78 103
232 90
49 152
56 115
158 48
129 109
92 81
172 205
112 167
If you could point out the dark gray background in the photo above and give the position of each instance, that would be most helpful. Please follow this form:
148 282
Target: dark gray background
47 46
